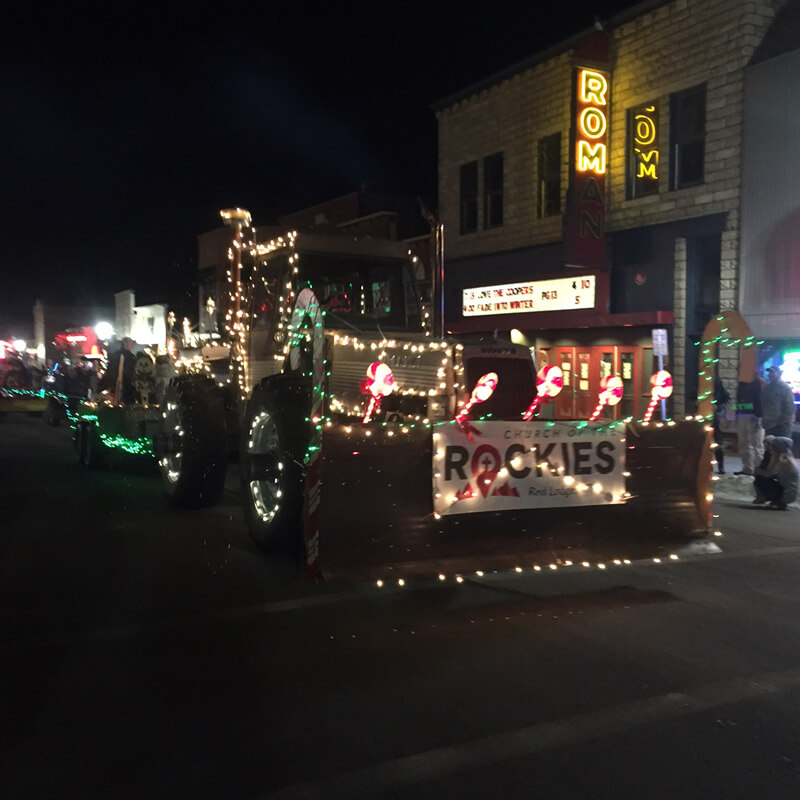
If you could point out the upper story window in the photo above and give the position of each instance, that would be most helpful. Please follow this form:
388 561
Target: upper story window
549 187
687 137
493 191
468 197
643 170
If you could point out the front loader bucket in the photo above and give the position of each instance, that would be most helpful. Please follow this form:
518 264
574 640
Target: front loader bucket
399 501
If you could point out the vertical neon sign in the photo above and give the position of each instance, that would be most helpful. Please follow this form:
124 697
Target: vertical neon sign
643 155
585 224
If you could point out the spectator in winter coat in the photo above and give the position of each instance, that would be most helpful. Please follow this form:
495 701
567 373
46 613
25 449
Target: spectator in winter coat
777 477
777 404
748 425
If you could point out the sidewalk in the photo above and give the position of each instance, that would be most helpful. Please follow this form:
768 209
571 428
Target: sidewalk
735 487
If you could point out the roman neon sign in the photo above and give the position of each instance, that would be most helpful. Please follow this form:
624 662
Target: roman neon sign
592 122
645 129
584 239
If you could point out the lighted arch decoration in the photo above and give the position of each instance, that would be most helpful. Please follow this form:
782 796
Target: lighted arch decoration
729 329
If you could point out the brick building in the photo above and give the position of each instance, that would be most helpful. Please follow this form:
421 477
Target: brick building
594 192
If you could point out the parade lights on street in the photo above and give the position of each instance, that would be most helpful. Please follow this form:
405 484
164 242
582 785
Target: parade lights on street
104 331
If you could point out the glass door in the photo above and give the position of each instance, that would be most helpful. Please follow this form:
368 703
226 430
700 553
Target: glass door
565 402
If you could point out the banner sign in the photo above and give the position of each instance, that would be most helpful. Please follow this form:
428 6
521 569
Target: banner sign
508 466
557 294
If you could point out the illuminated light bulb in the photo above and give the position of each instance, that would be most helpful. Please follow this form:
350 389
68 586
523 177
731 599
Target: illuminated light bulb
437 515
442 577
567 563
656 560
569 480
709 497
585 564
379 584
459 579
673 556
601 566
537 568
717 533
479 573
401 582
517 569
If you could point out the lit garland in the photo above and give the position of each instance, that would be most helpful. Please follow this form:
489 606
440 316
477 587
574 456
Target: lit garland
22 392
137 447
706 374
545 568
141 446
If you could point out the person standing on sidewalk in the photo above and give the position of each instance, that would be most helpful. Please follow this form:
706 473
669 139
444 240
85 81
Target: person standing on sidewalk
748 425
777 402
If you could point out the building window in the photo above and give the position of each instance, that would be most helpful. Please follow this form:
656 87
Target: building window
687 137
549 189
643 167
493 191
469 197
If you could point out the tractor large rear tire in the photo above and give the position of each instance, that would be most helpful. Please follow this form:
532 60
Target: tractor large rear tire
192 447
274 437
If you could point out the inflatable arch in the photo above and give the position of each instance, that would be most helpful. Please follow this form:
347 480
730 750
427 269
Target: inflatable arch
727 328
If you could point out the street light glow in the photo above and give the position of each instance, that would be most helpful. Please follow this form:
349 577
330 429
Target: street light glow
104 330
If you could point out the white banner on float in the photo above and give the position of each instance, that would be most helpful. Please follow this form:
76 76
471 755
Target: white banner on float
508 466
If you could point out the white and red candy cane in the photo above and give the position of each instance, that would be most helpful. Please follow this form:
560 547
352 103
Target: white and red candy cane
483 390
611 388
379 383
660 389
549 383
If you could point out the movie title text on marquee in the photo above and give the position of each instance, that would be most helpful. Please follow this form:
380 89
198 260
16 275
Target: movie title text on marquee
558 294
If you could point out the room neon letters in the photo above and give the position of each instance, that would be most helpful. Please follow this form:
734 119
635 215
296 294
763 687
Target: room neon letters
592 123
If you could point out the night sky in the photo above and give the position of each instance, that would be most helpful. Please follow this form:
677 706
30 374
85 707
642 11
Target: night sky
123 136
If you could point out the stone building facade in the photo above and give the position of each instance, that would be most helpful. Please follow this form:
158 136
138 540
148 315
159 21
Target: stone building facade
661 88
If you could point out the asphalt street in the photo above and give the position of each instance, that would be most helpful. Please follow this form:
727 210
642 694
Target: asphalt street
150 653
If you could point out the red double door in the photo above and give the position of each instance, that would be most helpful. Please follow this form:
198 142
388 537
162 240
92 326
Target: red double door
585 367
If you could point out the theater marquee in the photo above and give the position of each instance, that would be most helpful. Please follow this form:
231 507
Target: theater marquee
557 294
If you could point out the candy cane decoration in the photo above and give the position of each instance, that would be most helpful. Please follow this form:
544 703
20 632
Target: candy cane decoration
307 308
660 389
379 383
549 383
610 394
483 390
